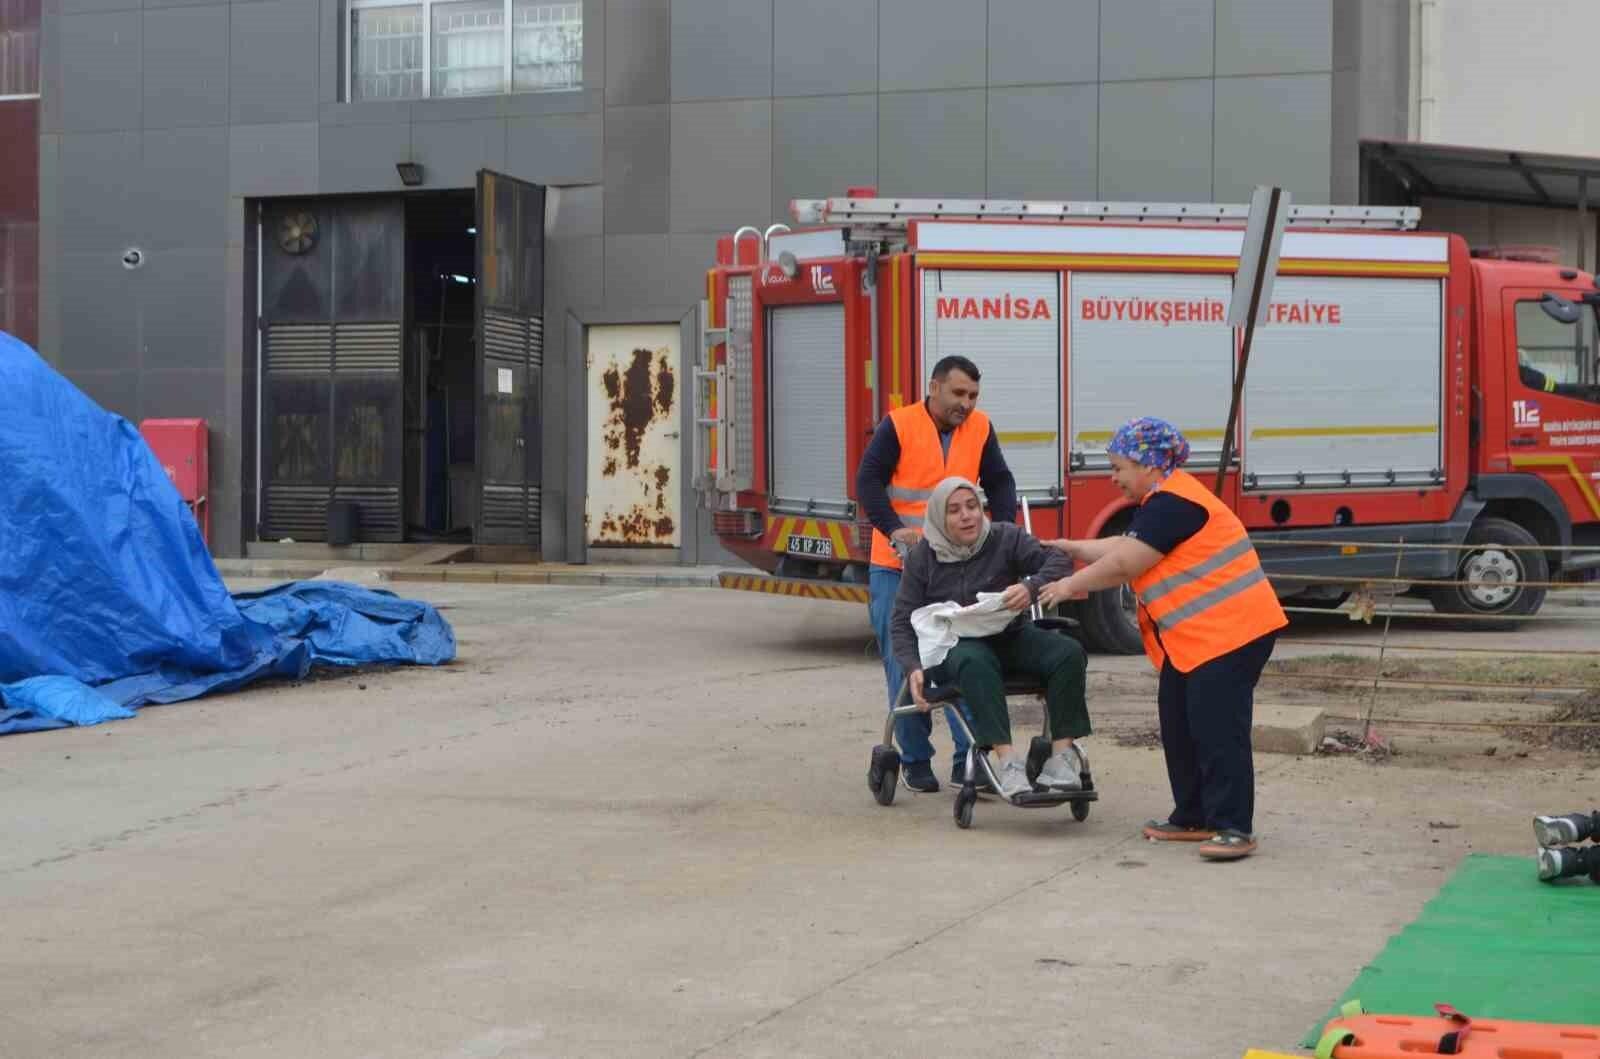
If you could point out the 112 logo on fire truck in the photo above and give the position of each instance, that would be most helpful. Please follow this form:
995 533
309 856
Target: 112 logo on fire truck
820 276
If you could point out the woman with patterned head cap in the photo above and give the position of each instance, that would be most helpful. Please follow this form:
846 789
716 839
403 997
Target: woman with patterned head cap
1208 618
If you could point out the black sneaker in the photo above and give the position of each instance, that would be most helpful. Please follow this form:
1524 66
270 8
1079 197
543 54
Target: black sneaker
918 777
958 775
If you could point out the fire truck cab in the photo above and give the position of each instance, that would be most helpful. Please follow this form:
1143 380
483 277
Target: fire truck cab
1401 390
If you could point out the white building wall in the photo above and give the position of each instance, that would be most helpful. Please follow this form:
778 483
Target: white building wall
1508 75
1514 76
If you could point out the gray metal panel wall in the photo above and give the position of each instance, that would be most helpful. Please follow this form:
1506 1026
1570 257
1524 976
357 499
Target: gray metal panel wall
931 44
825 47
931 144
274 71
822 145
186 55
1148 40
1279 131
1155 140
721 49
720 165
1043 140
1274 36
1042 42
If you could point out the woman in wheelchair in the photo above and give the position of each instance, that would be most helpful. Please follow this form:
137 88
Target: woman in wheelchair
962 554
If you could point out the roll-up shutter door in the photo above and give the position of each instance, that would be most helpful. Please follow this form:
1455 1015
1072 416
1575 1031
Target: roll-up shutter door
806 344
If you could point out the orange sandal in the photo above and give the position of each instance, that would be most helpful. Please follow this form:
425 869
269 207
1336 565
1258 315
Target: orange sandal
1228 845
1167 831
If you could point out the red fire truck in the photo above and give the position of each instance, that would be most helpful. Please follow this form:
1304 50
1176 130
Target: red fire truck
1402 388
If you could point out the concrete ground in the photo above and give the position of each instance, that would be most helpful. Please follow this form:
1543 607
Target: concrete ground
634 822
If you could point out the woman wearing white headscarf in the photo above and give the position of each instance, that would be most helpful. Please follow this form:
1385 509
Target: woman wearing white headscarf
960 555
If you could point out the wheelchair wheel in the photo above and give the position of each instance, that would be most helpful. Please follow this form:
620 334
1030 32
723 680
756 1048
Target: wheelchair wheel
1080 811
883 775
966 798
1038 754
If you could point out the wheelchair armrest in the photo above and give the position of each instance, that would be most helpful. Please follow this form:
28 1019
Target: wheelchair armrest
1056 624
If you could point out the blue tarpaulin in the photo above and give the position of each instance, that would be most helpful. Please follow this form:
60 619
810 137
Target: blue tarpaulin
109 599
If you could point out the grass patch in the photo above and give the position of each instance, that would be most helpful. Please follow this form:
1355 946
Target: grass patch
1577 726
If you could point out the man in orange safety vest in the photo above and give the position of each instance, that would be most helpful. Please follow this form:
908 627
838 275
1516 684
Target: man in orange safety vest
914 449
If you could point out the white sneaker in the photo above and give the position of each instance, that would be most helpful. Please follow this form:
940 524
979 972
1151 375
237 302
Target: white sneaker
1063 771
1012 775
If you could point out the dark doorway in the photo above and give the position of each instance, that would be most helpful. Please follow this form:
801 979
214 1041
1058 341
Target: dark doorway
441 380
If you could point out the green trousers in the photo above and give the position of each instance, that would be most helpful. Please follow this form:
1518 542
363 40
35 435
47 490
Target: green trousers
980 668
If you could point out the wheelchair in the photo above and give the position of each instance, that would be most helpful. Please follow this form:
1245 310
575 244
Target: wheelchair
883 774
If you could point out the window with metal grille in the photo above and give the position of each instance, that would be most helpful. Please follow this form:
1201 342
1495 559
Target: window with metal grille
455 48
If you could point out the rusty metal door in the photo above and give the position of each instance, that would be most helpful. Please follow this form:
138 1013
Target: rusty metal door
332 275
510 354
635 448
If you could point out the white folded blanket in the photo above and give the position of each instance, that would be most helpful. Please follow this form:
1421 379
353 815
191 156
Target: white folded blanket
940 625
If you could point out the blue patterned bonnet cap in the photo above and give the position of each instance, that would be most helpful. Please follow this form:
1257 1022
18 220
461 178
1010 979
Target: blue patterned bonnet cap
1151 442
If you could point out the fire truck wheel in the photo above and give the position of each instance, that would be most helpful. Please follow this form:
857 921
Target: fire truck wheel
1111 622
1493 574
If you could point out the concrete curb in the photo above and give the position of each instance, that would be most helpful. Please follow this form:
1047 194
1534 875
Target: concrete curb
474 573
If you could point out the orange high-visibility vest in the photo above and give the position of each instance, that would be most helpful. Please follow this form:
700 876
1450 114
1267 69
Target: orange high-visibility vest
924 465
1208 595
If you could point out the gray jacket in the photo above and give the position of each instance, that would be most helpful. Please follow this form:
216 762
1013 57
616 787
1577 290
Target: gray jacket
1011 554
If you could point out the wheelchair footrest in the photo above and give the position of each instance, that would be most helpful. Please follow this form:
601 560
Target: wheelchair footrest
1040 799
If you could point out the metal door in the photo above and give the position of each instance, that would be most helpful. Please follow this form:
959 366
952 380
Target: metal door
332 305
635 449
510 355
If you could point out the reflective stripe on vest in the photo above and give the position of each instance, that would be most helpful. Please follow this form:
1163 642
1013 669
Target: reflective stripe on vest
923 464
1209 595
1217 595
1188 577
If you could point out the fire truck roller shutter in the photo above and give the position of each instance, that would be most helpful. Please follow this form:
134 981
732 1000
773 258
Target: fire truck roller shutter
1346 379
1009 324
807 393
1147 344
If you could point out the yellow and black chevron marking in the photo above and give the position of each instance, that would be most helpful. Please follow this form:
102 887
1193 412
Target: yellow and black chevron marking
786 586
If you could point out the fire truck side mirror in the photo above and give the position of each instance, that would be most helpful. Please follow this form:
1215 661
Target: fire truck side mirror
1559 309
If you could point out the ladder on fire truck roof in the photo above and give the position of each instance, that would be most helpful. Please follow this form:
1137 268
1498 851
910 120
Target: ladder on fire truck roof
890 216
